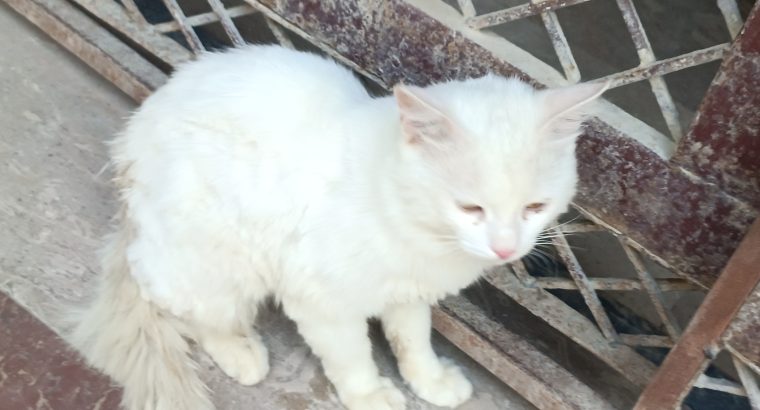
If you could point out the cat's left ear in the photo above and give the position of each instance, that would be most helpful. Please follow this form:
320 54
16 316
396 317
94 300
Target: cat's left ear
421 122
565 108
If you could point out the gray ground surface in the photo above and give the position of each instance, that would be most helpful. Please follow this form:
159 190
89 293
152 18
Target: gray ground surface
54 207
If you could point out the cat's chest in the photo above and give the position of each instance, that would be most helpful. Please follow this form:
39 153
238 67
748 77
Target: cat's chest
429 280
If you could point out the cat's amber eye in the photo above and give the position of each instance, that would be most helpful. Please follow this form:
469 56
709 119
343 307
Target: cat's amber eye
472 209
535 207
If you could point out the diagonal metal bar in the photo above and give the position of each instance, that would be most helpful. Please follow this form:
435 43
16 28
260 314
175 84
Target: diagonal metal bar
561 46
229 27
205 18
666 66
749 381
652 290
522 274
577 327
612 284
731 14
512 359
153 41
584 286
184 26
722 385
133 11
519 12
468 10
279 34
646 56
646 340
688 358
95 45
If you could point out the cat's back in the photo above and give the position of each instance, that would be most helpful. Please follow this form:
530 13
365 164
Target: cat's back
255 117
261 83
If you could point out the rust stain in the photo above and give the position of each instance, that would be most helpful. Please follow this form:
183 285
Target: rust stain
691 224
743 334
723 145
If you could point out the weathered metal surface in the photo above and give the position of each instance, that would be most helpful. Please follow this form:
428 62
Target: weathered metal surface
578 328
717 384
93 44
665 66
750 383
743 336
687 359
184 26
205 18
653 291
646 56
686 222
148 37
519 12
584 287
391 40
513 359
723 145
692 225
559 41
615 284
229 27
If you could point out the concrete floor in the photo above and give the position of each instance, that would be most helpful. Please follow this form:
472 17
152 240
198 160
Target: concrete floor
55 206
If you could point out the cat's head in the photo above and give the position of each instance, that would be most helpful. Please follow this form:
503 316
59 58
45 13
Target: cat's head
489 163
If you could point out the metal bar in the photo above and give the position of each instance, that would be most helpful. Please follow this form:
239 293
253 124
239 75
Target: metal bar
646 340
653 290
468 10
646 56
669 65
227 24
687 359
614 284
584 286
205 18
519 12
166 49
749 381
561 46
714 383
731 14
512 359
98 48
581 227
184 26
578 328
134 11
522 274
279 34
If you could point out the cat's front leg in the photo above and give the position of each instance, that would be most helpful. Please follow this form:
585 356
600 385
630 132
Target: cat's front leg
345 350
407 327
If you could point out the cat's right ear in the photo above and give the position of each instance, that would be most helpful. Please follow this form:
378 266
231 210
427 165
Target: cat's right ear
421 122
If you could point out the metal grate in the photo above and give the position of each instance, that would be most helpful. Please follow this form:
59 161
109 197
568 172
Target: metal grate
650 68
179 38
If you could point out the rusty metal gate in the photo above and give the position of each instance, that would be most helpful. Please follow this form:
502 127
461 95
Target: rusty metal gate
670 190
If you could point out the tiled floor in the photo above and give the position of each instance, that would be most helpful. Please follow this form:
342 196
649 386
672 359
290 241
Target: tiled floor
55 205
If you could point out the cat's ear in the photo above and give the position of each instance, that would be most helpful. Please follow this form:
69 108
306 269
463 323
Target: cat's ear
421 122
566 108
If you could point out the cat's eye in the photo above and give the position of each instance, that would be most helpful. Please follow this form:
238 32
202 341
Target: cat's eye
471 209
535 207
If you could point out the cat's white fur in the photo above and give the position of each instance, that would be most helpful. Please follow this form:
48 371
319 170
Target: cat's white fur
267 172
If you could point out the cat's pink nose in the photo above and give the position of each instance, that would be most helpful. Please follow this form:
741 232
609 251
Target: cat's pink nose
503 253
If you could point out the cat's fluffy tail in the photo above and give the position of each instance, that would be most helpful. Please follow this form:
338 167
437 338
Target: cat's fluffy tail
135 343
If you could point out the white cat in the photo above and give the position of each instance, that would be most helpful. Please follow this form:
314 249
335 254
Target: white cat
268 172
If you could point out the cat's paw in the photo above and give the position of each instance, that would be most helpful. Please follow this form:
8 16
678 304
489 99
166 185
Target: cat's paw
447 388
243 359
385 397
